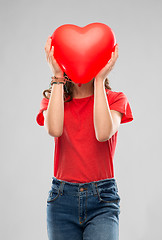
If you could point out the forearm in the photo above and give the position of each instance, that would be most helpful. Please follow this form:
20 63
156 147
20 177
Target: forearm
55 110
103 122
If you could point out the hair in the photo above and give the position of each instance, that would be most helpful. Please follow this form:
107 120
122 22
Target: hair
68 89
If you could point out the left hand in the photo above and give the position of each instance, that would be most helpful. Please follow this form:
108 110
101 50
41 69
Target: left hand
109 66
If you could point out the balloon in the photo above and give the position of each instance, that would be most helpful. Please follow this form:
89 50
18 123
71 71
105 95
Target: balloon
82 52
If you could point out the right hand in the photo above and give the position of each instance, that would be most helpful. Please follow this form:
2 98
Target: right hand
55 68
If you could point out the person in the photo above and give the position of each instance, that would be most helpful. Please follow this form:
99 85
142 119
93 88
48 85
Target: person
83 201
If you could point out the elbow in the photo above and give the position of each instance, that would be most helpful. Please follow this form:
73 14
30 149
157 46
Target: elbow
104 134
54 133
103 138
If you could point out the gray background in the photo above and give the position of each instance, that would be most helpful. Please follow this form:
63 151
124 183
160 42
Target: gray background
27 150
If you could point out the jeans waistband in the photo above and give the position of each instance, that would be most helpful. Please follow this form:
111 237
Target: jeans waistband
90 186
99 182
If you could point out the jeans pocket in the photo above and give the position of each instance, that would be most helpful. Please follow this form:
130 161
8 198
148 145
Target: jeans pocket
108 195
53 194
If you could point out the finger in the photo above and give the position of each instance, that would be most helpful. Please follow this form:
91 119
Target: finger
51 52
51 55
114 55
110 65
111 62
48 41
116 51
48 44
48 50
48 47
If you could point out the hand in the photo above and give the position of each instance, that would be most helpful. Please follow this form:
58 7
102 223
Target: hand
109 66
55 68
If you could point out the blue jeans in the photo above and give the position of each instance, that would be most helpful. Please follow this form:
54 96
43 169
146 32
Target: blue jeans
83 211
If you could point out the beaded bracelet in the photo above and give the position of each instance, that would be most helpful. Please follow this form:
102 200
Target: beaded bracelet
57 82
53 82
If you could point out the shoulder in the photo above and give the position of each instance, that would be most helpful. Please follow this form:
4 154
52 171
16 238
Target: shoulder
115 96
112 94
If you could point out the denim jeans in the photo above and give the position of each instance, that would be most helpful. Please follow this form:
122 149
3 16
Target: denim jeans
83 211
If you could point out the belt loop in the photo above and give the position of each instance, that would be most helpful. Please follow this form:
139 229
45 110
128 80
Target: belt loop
61 187
94 187
116 186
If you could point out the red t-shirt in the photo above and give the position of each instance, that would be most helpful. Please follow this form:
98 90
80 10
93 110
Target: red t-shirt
79 157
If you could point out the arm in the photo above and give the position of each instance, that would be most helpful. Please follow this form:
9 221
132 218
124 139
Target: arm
106 121
54 115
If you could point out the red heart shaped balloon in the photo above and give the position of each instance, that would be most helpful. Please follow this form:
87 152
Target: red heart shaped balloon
82 52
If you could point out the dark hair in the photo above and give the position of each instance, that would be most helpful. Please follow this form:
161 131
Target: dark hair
68 89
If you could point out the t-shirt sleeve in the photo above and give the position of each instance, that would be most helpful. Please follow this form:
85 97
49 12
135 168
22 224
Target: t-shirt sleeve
120 103
43 106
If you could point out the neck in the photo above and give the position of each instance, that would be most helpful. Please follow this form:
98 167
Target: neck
84 89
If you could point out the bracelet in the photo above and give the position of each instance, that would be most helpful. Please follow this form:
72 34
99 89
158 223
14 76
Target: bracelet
56 81
53 77
53 81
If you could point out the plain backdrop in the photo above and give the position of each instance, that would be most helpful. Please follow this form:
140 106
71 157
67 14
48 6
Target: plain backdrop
27 151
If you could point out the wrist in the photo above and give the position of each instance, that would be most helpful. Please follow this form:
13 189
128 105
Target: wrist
59 79
58 74
99 80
